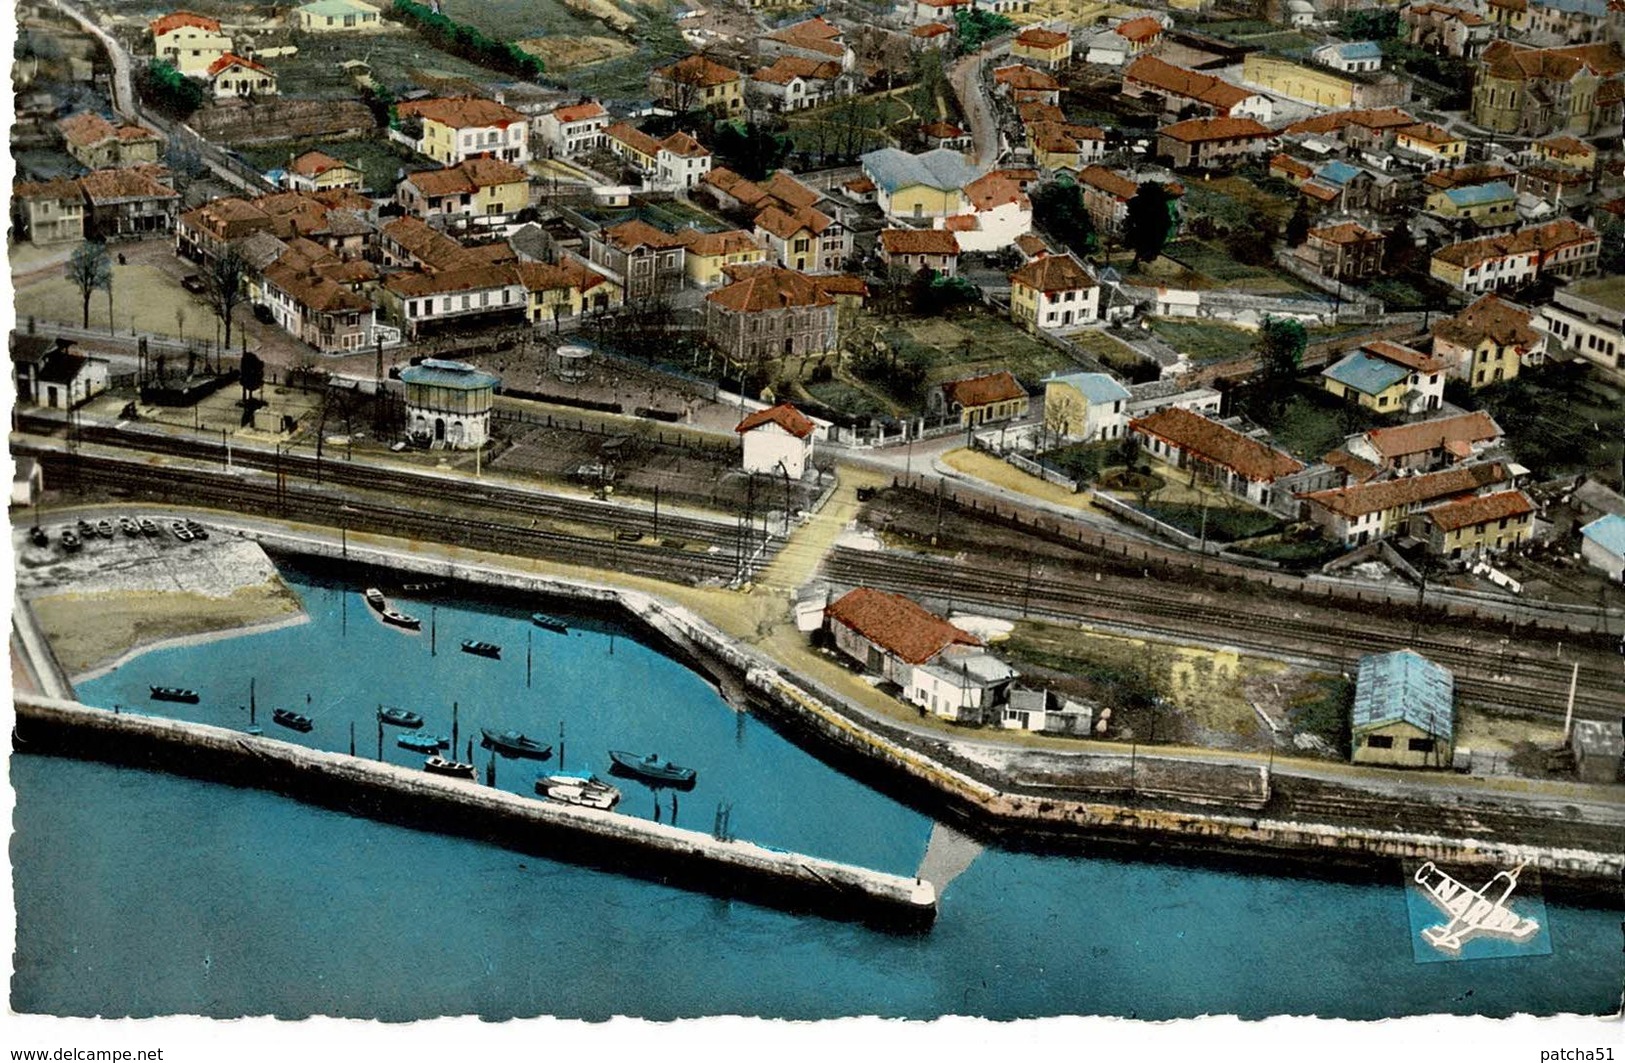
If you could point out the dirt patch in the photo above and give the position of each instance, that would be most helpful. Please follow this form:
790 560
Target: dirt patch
283 119
88 630
564 53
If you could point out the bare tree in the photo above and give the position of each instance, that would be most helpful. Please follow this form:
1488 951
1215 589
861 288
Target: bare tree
91 270
223 286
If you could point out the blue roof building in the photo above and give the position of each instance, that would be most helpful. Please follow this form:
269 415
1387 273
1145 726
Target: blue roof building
1086 406
1603 544
1404 711
1360 50
1337 173
1481 195
1364 373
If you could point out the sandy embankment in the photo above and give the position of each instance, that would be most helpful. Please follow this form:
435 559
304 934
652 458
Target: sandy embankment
95 619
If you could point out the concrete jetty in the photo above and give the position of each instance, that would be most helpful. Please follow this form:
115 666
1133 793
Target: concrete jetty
654 851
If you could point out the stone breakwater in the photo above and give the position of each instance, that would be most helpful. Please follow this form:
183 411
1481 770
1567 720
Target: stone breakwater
811 710
392 793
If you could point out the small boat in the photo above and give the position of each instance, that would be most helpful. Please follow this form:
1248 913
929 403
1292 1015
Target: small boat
588 791
652 767
399 717
38 536
514 744
104 528
173 694
549 622
442 766
147 526
481 649
424 743
130 528
295 721
70 540
375 598
399 619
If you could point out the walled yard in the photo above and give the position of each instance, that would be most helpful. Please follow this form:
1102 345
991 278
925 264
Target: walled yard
1203 341
377 158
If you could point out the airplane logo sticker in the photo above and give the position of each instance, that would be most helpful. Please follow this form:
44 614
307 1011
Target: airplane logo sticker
1484 912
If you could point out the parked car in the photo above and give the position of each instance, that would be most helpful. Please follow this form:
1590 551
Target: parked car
194 284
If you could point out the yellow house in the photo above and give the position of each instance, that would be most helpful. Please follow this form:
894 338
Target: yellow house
479 186
191 42
1567 151
984 399
1487 342
1053 292
1432 142
567 290
317 171
1086 406
1387 377
1489 205
457 128
638 148
1046 48
929 185
696 83
1404 712
1473 526
709 254
336 16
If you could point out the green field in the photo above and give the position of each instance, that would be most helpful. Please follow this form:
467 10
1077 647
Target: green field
380 160
842 396
1211 261
1310 422
1202 341
1222 524
968 342
1560 420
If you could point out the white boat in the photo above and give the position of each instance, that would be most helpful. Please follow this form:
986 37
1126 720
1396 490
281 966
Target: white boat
588 791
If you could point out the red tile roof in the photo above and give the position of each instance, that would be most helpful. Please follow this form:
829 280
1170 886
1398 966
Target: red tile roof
1422 437
1200 130
227 61
1174 80
467 176
1109 181
1020 76
919 242
984 390
1502 505
772 288
1489 317
174 21
1408 357
896 624
635 233
1348 232
1362 499
1213 442
784 415
579 112
1144 28
461 112
1041 38
698 71
1512 61
1053 273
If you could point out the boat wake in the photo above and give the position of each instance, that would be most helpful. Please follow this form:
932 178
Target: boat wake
947 855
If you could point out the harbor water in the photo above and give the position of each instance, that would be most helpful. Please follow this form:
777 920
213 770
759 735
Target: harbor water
144 894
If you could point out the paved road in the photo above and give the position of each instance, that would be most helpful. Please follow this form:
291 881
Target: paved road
123 86
965 76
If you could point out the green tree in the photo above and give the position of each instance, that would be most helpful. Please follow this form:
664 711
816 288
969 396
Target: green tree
750 149
976 27
1149 222
1369 25
1058 209
91 270
1297 227
1279 348
167 90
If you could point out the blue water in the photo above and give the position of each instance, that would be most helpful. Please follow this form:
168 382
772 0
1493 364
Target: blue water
140 894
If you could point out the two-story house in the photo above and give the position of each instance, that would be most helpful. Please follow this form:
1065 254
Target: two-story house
1487 342
1055 292
460 127
573 129
480 187
643 260
1387 377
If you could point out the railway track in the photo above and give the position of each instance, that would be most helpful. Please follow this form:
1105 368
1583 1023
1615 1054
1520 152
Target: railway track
1528 685
447 489
132 478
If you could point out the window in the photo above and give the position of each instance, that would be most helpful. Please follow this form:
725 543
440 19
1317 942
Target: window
1420 745
1379 741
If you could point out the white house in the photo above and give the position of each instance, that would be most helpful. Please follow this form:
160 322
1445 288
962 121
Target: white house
1603 545
1086 406
1043 710
573 128
1353 57
778 441
999 214
232 75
